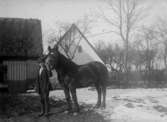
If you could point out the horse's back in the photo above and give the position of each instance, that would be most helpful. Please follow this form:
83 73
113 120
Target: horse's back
92 73
100 70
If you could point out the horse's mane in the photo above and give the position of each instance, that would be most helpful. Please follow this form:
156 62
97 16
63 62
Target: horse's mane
66 63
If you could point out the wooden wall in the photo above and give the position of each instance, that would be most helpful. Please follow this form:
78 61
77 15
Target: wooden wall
21 75
21 70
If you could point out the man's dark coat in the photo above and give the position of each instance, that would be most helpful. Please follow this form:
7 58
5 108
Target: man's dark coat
43 84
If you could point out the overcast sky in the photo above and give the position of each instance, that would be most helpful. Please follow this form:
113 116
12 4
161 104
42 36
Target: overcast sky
51 11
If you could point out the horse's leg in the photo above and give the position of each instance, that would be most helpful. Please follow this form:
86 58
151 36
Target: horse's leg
99 95
46 103
74 97
104 96
42 105
62 79
68 98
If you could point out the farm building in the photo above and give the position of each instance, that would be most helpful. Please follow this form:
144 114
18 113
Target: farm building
20 46
76 46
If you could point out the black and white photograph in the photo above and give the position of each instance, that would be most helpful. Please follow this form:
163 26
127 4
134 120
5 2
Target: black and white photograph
83 60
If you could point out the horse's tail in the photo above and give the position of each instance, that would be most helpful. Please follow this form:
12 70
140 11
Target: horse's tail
104 76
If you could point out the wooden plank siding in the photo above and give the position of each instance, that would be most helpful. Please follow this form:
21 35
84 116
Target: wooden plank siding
21 70
32 69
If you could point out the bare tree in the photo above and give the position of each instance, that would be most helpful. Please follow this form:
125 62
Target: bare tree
55 34
139 53
161 36
111 55
68 36
148 49
125 17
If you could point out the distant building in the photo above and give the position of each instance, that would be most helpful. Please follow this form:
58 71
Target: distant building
76 46
20 46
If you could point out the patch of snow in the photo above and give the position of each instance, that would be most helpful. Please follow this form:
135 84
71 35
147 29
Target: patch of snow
130 105
133 114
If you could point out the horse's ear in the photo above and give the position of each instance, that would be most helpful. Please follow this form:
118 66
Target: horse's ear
56 48
49 49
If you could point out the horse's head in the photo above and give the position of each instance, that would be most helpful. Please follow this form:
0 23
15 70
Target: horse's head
52 58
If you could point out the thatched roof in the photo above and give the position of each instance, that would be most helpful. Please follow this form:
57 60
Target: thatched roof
20 37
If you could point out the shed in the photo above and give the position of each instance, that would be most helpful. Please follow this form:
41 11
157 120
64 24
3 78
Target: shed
20 46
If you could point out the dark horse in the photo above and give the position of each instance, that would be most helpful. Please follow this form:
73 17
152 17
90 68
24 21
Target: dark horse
72 76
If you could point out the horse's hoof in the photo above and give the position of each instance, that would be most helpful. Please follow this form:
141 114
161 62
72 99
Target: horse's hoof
66 112
87 109
46 114
75 113
41 114
97 106
103 106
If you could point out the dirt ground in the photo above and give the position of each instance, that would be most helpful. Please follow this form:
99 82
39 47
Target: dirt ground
123 105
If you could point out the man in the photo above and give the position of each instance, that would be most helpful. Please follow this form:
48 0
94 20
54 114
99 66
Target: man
43 87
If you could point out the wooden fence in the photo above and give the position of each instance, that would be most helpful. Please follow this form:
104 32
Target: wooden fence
21 70
20 74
